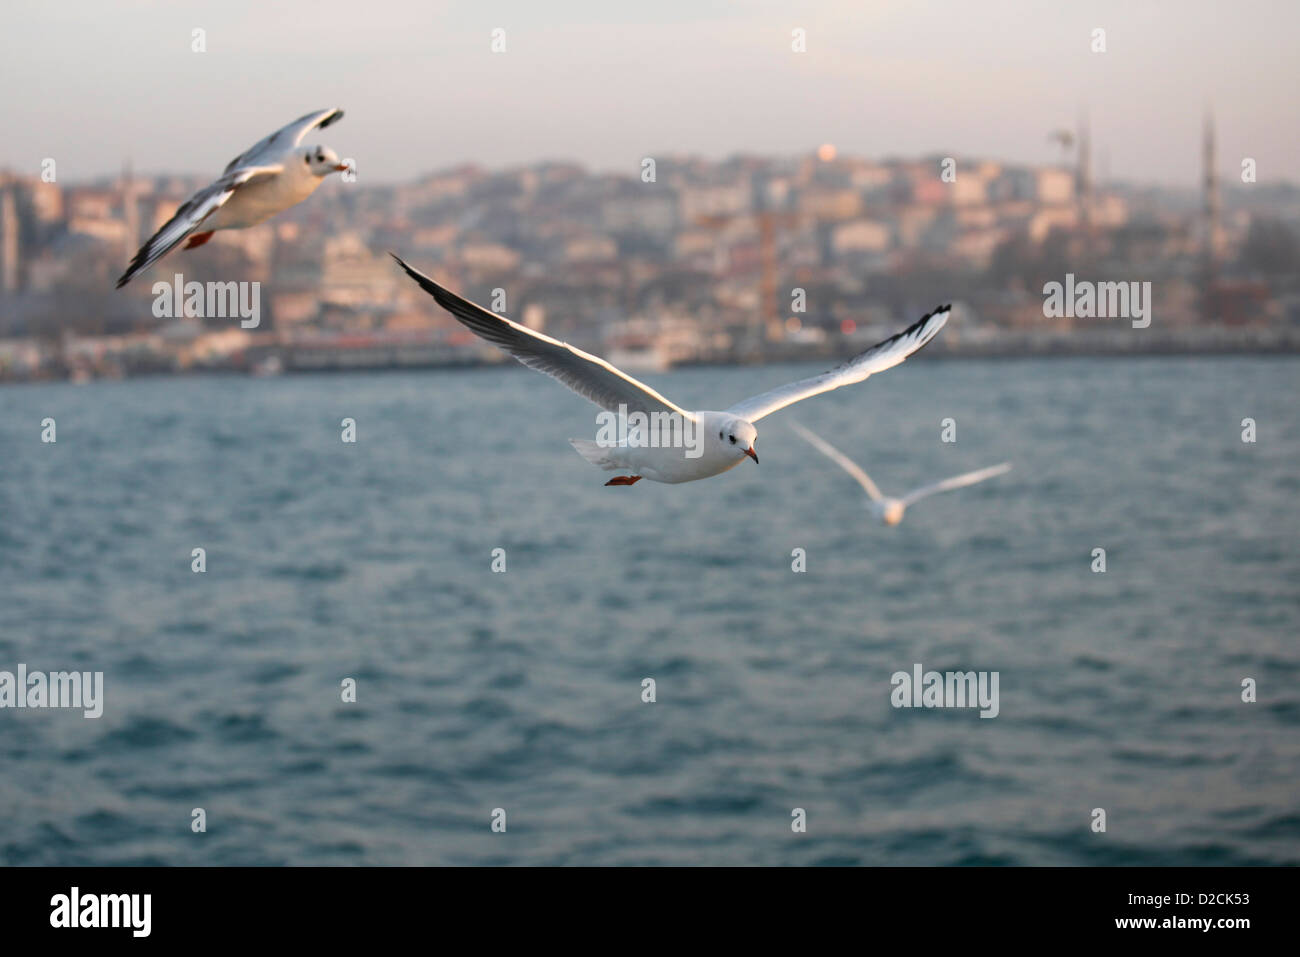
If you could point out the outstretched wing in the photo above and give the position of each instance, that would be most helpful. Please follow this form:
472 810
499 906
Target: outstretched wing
588 375
957 481
881 356
190 217
270 148
840 459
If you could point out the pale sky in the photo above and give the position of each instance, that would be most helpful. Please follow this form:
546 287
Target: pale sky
604 83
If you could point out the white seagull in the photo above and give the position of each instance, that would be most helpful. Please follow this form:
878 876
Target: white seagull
701 444
890 510
268 178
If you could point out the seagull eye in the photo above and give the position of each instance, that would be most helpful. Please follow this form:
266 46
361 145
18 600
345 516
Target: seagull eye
733 439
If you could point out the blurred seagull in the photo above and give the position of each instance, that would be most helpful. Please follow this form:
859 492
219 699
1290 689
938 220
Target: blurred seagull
722 439
890 510
274 174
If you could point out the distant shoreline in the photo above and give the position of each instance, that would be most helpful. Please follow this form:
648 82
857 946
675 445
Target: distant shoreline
1119 344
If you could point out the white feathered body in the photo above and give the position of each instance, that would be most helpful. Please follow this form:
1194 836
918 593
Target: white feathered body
673 465
261 198
888 511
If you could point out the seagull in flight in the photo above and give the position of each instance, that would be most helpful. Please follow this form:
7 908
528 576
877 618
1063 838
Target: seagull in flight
700 444
890 510
275 173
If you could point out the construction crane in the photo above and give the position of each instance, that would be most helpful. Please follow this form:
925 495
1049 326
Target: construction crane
769 318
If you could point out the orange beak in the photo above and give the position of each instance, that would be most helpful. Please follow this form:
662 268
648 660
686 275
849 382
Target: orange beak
341 167
752 454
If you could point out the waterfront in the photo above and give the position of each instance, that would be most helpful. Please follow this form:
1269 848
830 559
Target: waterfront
522 690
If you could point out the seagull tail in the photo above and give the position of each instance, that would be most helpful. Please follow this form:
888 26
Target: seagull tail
596 454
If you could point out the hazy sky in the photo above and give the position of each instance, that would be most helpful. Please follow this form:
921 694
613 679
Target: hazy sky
606 82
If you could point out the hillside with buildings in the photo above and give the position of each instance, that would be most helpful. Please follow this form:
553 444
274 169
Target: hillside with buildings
682 260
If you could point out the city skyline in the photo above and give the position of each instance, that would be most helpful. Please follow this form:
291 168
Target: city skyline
690 267
424 93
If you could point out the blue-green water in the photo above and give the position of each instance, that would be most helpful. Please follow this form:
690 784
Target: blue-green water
522 690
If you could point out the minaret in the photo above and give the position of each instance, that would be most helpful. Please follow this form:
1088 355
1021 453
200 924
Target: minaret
8 242
1211 236
1083 174
130 210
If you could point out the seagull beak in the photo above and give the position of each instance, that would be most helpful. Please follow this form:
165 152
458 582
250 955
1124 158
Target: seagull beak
752 454
341 167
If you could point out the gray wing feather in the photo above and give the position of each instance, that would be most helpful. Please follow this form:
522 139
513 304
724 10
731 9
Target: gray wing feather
189 217
840 459
590 376
285 138
957 481
883 355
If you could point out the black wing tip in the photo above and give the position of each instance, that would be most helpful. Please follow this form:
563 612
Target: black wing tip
135 267
444 296
915 329
331 119
411 271
925 320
